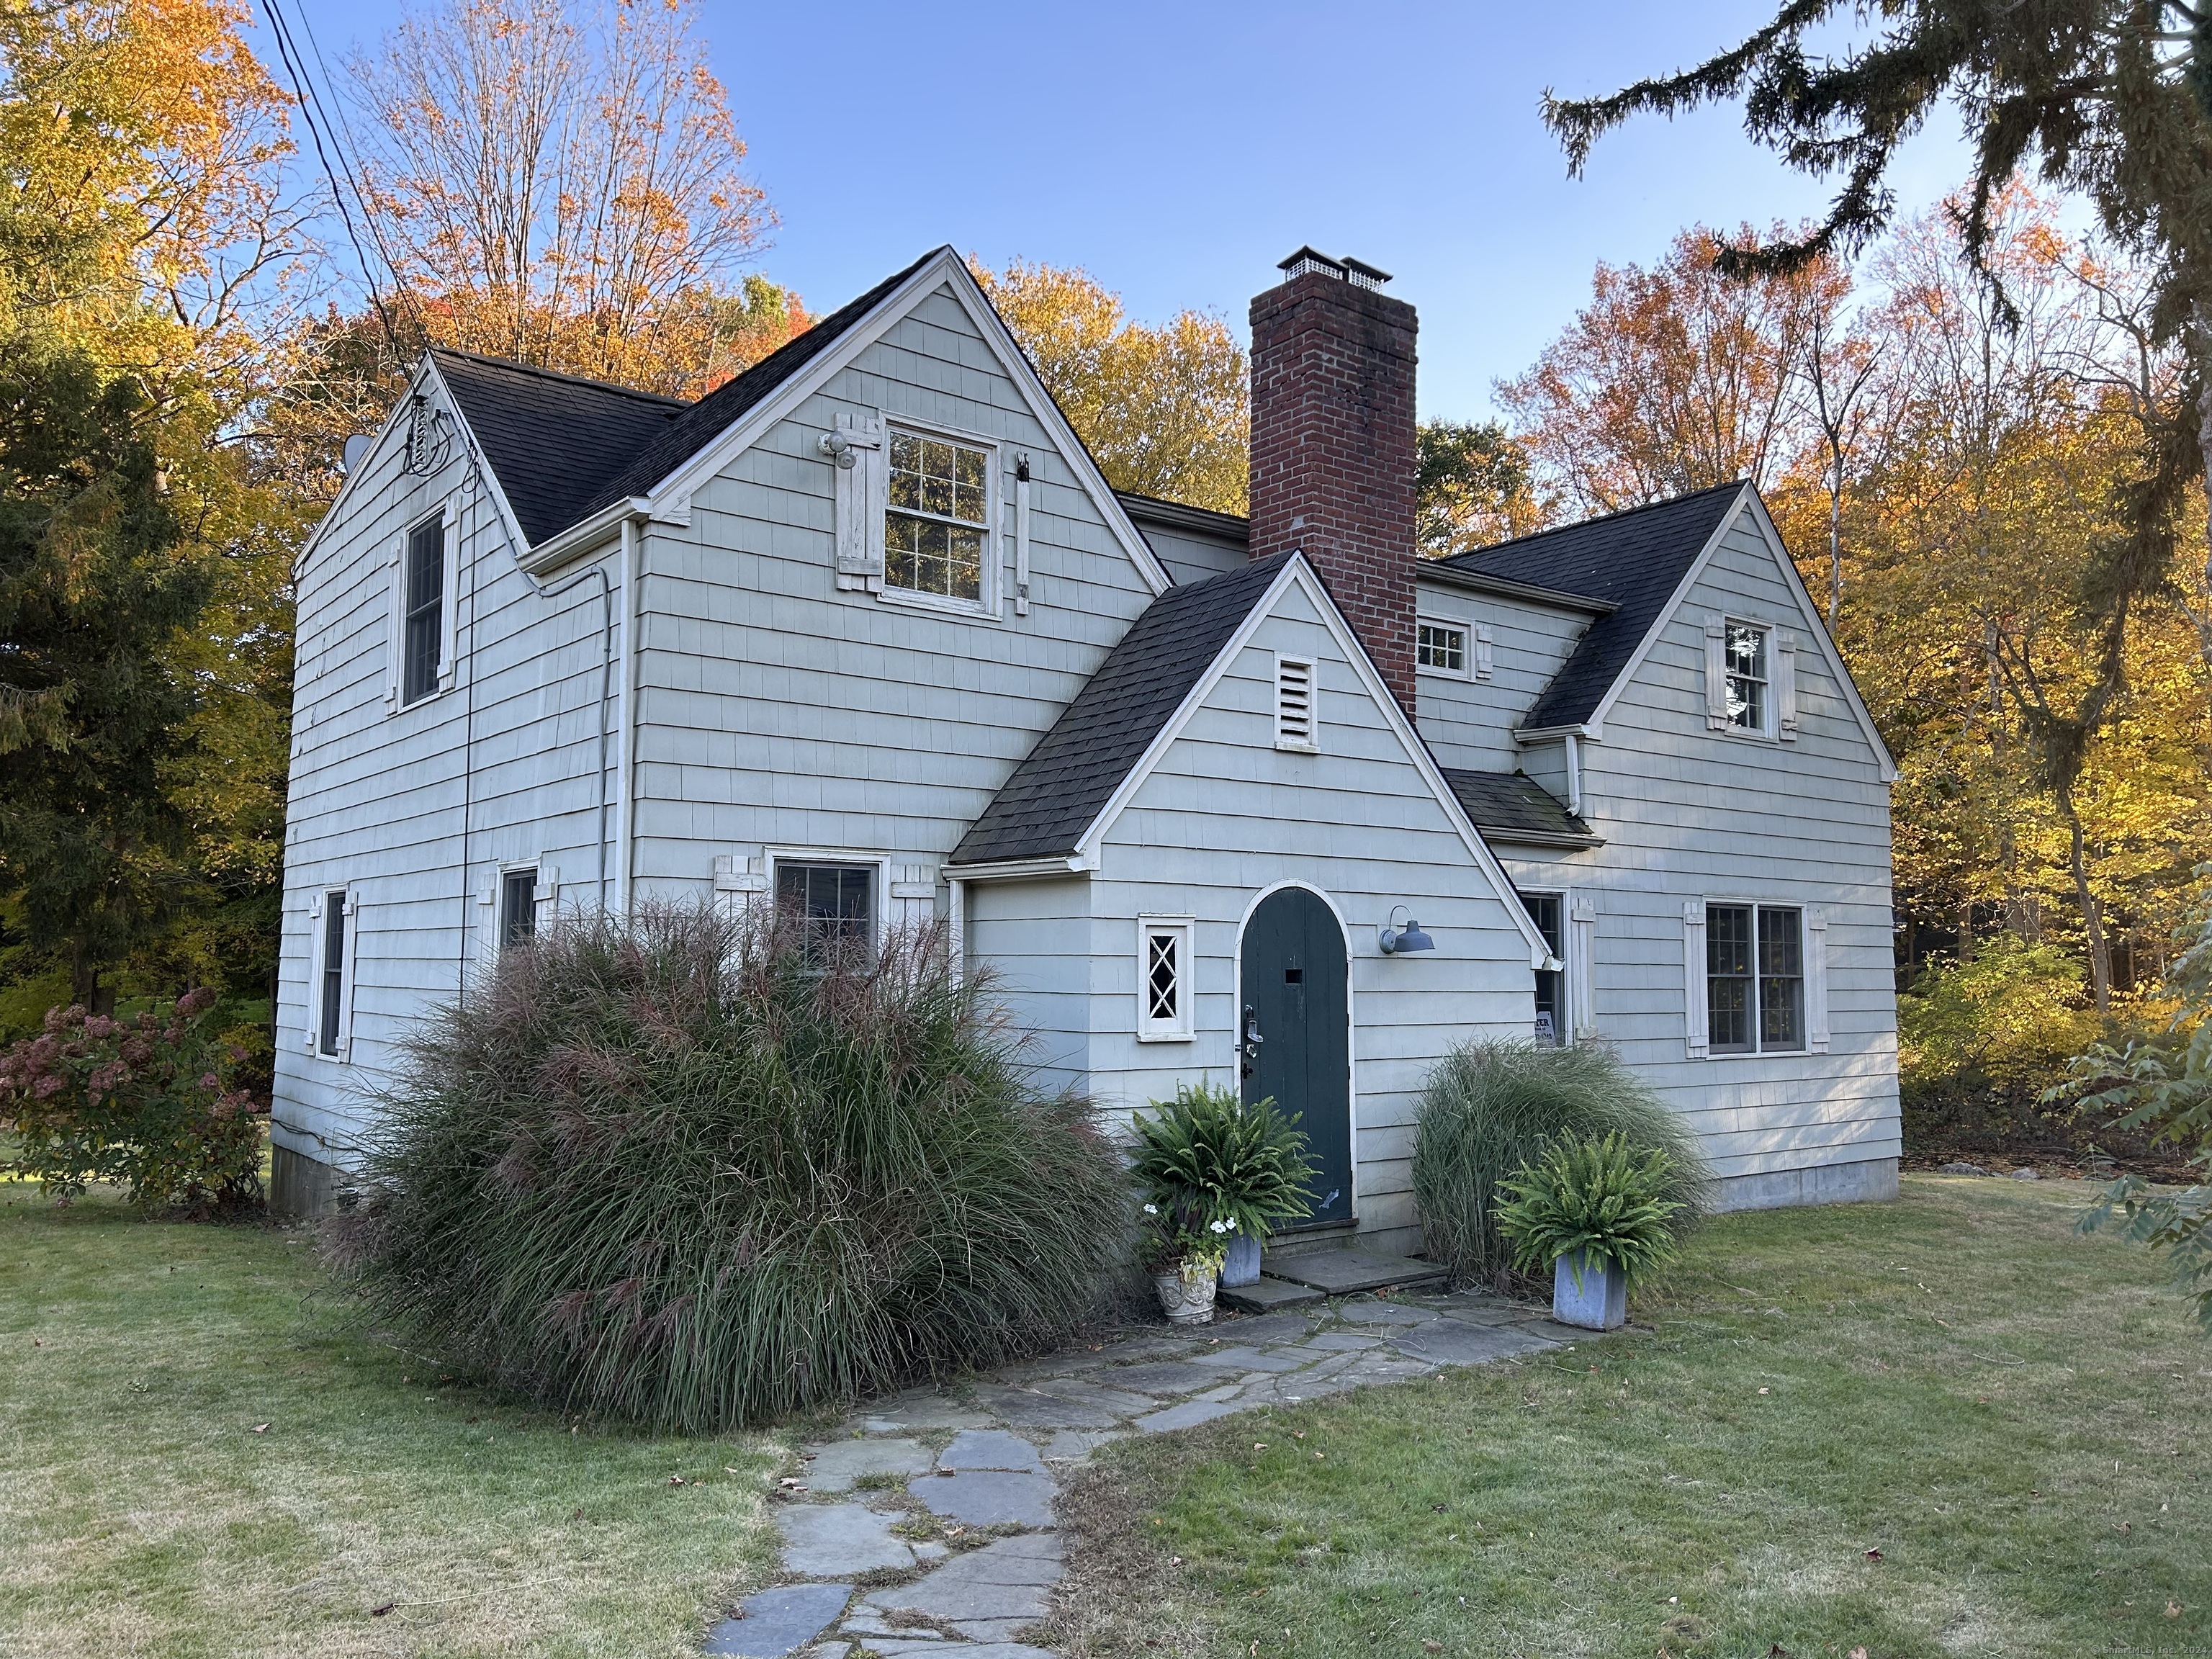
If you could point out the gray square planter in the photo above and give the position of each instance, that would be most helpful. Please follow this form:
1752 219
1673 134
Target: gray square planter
1600 1302
1242 1266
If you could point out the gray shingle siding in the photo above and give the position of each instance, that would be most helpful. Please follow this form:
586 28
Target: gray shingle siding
1633 559
1058 792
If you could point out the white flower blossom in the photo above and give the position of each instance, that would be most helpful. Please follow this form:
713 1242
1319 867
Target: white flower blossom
1152 1209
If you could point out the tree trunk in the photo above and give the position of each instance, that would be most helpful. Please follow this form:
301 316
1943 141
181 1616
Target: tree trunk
1835 537
2092 914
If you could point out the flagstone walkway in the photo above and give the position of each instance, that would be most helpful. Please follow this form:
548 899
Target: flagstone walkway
927 1528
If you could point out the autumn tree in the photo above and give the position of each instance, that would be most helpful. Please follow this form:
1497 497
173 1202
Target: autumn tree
1165 411
563 186
1671 379
1473 488
151 249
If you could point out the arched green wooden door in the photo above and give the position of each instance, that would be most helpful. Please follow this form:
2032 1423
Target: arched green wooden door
1294 1020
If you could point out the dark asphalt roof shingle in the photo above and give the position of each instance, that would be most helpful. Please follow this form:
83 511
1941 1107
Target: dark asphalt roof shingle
1054 795
564 448
1633 559
551 439
1503 804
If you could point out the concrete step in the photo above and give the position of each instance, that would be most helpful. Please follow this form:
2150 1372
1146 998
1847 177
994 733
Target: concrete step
1267 1295
1350 1271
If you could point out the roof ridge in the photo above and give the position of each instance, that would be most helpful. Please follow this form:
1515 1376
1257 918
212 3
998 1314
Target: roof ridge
1585 523
488 360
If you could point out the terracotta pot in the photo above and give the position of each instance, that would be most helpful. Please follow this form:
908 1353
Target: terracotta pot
1187 1300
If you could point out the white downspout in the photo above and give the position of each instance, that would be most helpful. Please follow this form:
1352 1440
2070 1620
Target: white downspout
1574 774
956 931
626 779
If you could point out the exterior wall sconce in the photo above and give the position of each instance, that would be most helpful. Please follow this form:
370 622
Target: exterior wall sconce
1396 941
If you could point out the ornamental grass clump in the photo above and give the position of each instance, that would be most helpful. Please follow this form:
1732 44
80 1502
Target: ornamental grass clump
1491 1109
1591 1199
679 1170
1210 1166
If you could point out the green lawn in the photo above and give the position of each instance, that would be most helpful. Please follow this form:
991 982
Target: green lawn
2018 1420
140 1513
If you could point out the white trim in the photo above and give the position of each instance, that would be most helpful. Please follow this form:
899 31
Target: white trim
1582 955
1696 1020
1350 1015
318 964
879 898
1785 685
1182 1026
1297 729
946 268
1298 572
1485 655
1054 864
1818 1034
630 552
449 600
395 629
1816 631
956 928
1757 1051
1465 630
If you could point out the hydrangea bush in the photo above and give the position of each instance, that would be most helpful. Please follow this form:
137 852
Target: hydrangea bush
147 1104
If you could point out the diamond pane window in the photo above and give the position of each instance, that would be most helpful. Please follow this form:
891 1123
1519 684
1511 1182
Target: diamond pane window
1163 1012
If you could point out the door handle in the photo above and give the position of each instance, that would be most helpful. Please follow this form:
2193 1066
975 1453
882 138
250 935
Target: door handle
1250 1047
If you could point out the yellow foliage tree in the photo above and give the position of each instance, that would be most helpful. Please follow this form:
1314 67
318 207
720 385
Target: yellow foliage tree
1165 411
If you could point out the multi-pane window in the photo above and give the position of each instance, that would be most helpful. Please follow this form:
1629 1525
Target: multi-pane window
518 907
1754 978
1551 983
1744 653
937 520
1440 646
422 611
834 904
333 989
1163 997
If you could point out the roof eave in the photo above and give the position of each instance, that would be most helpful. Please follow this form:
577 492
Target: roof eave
1054 864
1476 581
1554 838
578 539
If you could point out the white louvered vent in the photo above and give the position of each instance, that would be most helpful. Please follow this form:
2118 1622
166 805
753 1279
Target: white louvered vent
1296 725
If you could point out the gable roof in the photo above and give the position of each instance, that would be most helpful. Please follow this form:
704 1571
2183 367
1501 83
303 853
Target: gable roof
1514 808
1633 561
564 448
1056 794
552 439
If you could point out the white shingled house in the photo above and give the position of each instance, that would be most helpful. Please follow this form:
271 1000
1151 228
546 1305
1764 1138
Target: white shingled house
865 631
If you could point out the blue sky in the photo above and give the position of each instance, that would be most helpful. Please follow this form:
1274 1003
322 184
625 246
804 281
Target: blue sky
1177 151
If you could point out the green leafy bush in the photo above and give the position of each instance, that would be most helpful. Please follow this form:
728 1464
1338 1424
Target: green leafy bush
675 1170
147 1104
1591 1198
1491 1109
1211 1166
2160 1087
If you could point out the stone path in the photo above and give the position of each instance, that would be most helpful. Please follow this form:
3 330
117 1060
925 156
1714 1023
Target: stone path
927 1529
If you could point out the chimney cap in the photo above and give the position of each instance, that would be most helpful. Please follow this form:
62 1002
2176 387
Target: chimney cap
1310 258
1358 272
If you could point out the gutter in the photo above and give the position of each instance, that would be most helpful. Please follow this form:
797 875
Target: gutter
1476 581
1056 864
1558 838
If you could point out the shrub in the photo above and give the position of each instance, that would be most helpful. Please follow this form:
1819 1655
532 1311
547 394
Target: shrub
1594 1196
1491 1107
1211 1165
147 1104
674 1170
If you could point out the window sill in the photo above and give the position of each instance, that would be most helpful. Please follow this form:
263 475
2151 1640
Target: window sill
423 702
1297 747
973 609
1167 1037
1756 1053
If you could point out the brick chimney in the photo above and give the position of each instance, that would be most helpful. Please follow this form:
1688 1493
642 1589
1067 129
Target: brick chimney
1333 445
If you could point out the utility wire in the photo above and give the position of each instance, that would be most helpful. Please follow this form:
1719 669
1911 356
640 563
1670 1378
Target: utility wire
303 91
348 150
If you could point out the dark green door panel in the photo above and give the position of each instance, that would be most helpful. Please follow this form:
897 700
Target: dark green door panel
1294 1020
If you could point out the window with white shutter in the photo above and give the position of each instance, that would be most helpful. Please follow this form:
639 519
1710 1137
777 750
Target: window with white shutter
329 994
1298 724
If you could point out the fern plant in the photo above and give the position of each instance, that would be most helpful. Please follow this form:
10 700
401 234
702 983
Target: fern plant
1212 1165
1592 1197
